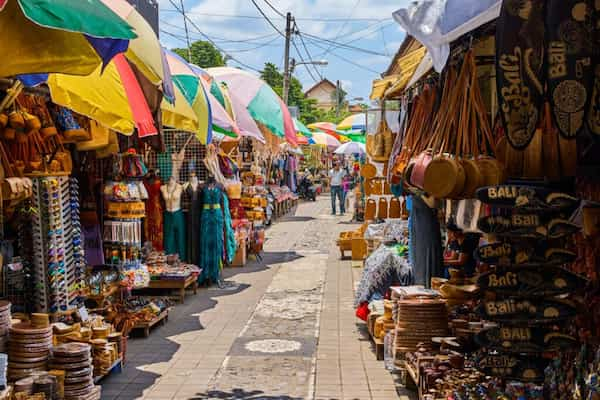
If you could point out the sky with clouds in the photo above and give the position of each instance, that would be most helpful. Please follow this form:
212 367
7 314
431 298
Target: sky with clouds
238 28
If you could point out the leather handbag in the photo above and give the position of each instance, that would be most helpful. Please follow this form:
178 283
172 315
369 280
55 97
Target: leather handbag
370 210
394 208
382 209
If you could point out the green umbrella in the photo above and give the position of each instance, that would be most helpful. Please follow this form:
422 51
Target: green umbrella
357 137
301 128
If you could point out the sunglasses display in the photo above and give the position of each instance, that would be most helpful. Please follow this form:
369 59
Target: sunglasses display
59 270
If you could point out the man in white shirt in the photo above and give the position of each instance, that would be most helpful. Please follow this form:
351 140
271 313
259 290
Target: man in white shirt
336 176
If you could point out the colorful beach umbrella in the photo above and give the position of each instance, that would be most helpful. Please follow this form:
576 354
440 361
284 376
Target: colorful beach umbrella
301 129
261 102
357 137
324 139
112 96
144 51
351 148
222 121
354 122
301 139
190 85
66 36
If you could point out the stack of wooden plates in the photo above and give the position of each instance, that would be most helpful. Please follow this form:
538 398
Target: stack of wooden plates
4 324
28 350
418 321
76 360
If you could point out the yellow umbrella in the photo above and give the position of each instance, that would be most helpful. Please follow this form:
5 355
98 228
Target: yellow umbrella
180 115
112 97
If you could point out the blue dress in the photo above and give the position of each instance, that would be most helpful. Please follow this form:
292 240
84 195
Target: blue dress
217 239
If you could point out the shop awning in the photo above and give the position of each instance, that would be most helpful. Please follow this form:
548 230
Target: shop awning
408 65
381 85
436 23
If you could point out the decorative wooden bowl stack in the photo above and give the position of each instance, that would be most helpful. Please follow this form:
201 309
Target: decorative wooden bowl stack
76 360
28 350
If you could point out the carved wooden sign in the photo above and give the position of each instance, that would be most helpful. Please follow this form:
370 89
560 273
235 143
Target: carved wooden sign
513 367
523 254
531 281
526 311
526 198
522 339
526 225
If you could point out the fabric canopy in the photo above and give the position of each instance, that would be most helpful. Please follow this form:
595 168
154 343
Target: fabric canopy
381 85
436 23
408 65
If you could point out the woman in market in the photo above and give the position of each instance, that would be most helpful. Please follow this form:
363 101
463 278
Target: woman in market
459 252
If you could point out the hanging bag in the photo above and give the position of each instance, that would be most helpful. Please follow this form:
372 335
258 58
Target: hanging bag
395 208
382 209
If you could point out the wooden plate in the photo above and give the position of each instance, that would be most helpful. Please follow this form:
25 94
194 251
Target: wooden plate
25 328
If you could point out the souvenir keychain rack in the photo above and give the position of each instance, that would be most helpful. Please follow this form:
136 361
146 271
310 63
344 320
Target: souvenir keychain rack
57 252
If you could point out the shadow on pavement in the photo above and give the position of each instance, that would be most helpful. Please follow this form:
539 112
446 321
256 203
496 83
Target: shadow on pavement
296 219
236 394
279 257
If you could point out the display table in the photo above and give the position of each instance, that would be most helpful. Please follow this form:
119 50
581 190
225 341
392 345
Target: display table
180 285
146 326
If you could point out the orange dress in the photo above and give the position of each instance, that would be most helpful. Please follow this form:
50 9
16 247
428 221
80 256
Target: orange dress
153 225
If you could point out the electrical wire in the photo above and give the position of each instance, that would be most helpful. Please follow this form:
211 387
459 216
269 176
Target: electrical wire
343 26
315 43
297 30
210 40
341 20
347 42
306 64
333 45
223 40
272 7
267 18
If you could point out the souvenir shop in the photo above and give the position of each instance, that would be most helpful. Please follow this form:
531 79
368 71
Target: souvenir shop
103 233
486 286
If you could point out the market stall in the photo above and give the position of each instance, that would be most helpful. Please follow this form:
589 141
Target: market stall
499 183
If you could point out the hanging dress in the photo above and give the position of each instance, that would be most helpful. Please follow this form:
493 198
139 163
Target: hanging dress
193 224
212 234
426 241
153 223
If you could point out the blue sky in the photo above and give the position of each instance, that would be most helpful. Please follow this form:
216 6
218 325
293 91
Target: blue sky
237 27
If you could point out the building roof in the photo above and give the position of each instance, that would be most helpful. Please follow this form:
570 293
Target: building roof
318 84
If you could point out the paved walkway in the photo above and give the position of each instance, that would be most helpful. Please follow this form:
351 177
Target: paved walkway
285 330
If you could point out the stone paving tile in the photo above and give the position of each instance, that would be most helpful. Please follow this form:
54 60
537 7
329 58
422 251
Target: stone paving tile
201 353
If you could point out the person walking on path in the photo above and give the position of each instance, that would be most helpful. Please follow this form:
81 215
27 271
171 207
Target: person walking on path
336 175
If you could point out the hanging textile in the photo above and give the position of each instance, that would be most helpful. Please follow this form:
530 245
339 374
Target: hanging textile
519 68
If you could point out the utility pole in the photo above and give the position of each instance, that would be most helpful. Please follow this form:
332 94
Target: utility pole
337 98
187 34
286 72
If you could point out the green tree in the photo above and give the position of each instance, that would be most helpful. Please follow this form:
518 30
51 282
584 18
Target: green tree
204 54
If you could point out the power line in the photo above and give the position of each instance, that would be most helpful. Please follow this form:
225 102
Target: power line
297 29
272 7
341 20
267 18
251 40
343 26
210 40
332 45
315 43
255 48
258 45
304 62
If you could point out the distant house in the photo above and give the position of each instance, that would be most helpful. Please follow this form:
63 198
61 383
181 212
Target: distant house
355 108
324 93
